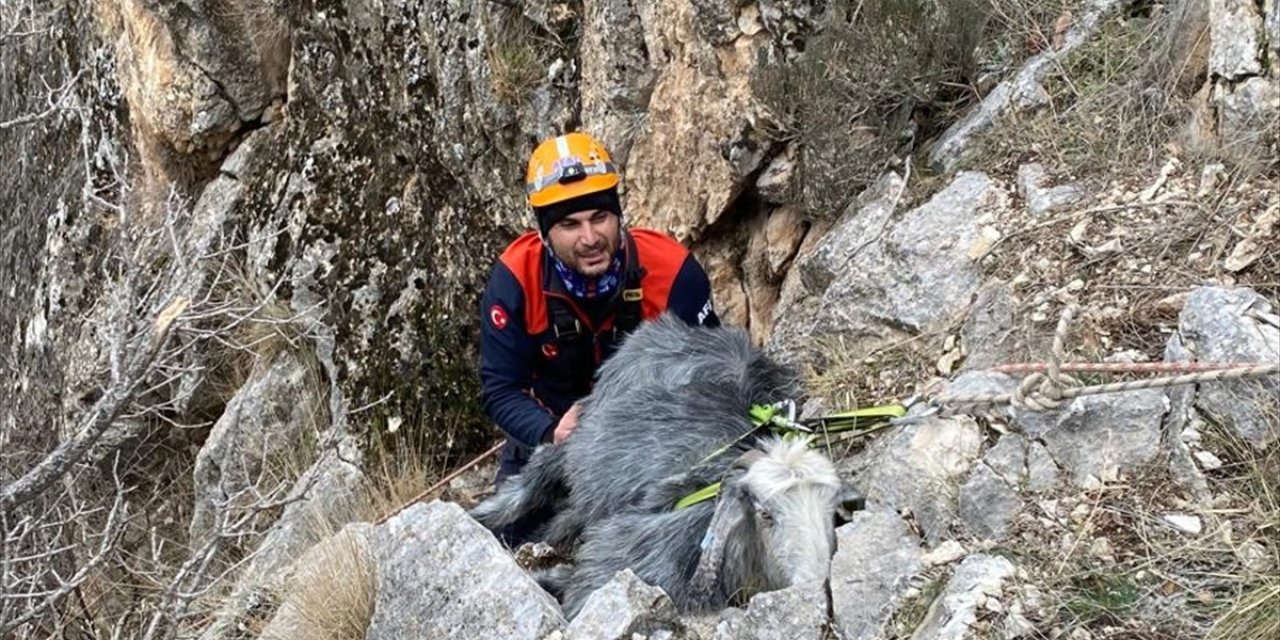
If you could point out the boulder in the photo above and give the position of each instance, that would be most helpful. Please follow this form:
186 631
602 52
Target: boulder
442 575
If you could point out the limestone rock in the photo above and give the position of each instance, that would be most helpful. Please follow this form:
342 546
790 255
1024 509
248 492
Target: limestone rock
979 578
919 468
702 97
440 574
988 504
1232 325
265 436
622 607
1247 117
1235 27
325 502
1096 438
1022 463
887 279
987 336
196 75
875 559
1272 19
1042 199
617 76
860 227
778 182
798 612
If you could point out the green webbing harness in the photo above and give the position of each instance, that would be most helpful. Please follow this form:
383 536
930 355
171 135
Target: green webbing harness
780 418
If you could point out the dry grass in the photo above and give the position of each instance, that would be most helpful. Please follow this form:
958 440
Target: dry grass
332 594
853 374
517 56
1252 480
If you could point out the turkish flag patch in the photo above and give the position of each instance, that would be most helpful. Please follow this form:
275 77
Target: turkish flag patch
550 350
498 317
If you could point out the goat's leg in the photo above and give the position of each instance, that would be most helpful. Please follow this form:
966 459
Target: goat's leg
564 530
540 486
554 580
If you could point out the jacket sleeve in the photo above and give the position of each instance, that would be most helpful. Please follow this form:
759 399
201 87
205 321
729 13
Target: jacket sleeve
690 297
506 353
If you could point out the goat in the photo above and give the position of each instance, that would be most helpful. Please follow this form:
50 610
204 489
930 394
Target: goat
770 527
668 416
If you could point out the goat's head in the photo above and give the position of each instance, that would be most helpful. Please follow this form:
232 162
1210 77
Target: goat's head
779 502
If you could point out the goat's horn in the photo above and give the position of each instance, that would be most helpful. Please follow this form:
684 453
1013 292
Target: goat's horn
727 516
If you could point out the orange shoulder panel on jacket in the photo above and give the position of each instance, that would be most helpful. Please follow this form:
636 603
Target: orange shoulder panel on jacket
523 257
662 257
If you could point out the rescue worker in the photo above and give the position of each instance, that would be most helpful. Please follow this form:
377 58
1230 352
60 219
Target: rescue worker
560 299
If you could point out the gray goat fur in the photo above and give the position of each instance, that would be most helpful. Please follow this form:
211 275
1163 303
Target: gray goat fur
670 396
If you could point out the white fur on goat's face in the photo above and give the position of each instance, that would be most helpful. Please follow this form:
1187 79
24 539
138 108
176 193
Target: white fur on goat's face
794 492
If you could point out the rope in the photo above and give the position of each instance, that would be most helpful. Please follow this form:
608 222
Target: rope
1124 367
1046 389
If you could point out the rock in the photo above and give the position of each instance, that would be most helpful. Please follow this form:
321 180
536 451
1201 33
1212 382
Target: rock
1042 471
798 612
1208 461
1184 523
987 504
1041 199
331 590
876 557
979 579
1234 47
1228 325
1255 557
1095 438
864 222
946 553
923 272
325 502
617 76
1180 428
196 76
777 183
622 607
440 574
1008 458
987 336
888 280
784 232
919 468
683 176
261 441
1247 114
1273 31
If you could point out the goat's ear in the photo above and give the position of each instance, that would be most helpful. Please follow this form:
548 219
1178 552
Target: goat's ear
848 501
730 511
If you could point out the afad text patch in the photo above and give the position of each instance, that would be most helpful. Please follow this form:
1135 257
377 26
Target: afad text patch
498 316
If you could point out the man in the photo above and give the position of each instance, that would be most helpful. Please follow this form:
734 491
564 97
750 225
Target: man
560 299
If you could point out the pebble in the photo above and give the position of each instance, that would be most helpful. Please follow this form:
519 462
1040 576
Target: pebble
1186 524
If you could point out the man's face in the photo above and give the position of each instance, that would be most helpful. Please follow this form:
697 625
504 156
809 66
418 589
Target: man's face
586 241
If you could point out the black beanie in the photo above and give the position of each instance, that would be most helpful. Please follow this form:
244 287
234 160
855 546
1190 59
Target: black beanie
553 213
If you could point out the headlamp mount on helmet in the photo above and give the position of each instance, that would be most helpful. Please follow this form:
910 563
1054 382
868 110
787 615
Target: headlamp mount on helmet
568 173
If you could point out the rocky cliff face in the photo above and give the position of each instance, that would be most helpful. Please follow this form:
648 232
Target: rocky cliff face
299 202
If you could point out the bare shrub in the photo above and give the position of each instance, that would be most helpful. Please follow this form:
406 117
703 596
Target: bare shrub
880 78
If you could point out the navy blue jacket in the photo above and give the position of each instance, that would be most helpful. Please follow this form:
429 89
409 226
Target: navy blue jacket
526 381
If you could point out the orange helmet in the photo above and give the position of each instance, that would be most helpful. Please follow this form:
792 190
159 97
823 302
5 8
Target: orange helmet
568 167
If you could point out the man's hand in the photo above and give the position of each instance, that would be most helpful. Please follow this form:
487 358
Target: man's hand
567 424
